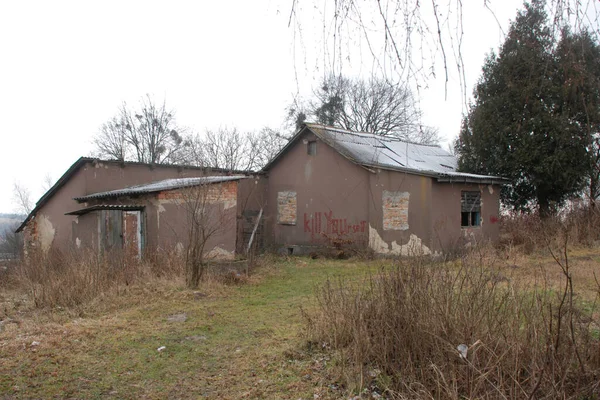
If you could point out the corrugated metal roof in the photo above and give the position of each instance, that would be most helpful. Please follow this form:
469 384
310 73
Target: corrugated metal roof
167 184
120 207
387 151
390 152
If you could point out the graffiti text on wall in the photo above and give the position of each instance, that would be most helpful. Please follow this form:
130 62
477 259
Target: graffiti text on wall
324 222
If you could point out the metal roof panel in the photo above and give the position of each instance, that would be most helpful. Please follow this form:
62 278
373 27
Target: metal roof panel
159 186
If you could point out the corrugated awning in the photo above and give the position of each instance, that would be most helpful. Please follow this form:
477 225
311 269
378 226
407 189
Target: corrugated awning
167 184
106 207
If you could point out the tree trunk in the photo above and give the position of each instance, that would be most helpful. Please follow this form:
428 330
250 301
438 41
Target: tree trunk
544 208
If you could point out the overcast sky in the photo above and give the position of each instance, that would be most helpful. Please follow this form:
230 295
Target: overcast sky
66 66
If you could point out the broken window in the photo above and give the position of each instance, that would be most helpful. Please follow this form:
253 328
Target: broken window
470 204
311 148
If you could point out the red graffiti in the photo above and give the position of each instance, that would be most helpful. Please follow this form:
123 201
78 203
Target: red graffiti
493 219
315 225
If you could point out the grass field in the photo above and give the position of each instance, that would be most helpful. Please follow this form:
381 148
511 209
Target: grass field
224 342
236 341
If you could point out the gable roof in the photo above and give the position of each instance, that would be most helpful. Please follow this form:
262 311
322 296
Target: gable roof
84 160
389 152
160 186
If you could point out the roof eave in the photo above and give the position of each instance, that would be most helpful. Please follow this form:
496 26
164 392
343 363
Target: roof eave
485 180
133 192
59 183
106 207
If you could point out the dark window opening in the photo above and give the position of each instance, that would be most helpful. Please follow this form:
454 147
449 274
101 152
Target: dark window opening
470 212
311 148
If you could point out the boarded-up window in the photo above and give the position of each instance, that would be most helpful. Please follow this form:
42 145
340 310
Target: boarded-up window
395 211
470 209
286 208
311 148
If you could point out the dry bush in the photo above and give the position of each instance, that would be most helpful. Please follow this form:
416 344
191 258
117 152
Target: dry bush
72 279
528 232
8 273
66 280
400 330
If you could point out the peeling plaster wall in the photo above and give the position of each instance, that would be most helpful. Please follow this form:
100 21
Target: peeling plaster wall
165 219
95 177
399 212
414 247
331 197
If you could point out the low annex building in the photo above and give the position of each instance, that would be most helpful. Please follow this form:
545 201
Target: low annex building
330 185
104 206
326 187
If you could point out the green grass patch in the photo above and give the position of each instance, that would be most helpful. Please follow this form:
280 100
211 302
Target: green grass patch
237 342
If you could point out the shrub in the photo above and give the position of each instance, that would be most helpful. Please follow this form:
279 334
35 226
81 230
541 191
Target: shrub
66 280
403 329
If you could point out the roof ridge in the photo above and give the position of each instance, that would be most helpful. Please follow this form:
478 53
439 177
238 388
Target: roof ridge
372 134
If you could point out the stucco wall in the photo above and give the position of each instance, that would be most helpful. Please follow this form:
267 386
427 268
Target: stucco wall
400 213
50 228
313 198
327 193
166 219
447 233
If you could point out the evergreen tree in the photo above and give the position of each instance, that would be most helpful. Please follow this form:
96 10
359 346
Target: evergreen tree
527 122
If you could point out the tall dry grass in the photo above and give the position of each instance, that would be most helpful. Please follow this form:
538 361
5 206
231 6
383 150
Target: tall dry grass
57 279
66 280
403 330
529 233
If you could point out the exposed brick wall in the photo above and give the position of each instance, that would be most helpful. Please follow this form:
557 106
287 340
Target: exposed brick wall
225 192
287 208
395 210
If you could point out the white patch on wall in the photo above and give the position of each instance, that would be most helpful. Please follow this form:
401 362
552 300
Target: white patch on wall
395 210
414 246
287 208
491 189
78 242
45 232
218 253
179 248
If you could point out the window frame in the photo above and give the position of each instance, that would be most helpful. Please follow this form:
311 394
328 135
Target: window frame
470 216
311 148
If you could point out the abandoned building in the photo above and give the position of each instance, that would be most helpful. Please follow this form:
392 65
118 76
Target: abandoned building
114 205
326 187
331 185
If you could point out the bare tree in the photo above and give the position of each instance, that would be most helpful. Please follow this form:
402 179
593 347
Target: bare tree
148 134
111 141
375 105
10 242
22 198
47 182
406 38
206 216
231 149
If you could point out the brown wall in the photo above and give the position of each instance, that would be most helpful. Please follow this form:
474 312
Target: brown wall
252 197
52 229
390 211
331 197
167 219
447 232
400 213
